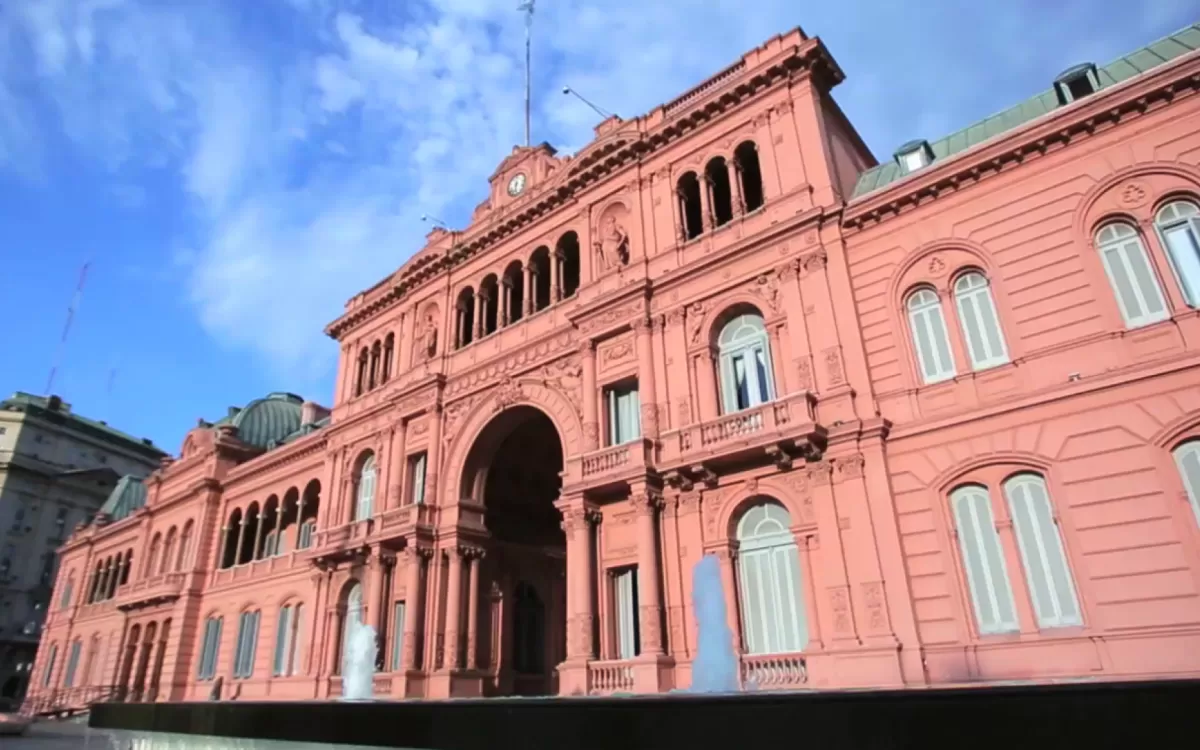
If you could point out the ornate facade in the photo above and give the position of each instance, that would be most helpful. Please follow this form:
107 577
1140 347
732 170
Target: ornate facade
938 418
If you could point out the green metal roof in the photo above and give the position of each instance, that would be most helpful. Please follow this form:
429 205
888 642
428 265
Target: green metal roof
128 496
54 409
1149 57
265 422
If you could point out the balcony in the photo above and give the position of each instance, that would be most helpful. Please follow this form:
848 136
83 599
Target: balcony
608 677
780 431
397 523
774 671
616 463
148 592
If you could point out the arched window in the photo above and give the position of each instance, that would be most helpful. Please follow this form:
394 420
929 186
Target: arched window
567 251
1042 553
1132 277
983 559
691 215
49 670
745 363
489 310
464 330
126 568
72 663
1178 225
1187 458
749 173
366 489
164 565
247 645
512 291
720 194
185 547
360 382
152 557
389 356
769 582
68 588
540 289
928 326
229 552
980 323
376 357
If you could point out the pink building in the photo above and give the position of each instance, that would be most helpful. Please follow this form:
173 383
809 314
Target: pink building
939 418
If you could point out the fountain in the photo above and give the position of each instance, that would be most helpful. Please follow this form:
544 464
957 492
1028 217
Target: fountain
358 664
715 668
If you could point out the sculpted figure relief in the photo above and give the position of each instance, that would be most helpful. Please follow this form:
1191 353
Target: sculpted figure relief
429 337
613 247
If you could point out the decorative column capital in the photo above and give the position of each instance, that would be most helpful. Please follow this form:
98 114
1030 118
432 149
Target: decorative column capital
587 347
647 501
641 325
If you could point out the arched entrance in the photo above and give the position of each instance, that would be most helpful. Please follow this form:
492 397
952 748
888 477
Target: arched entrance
514 471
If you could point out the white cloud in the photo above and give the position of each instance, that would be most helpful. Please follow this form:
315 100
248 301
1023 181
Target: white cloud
312 134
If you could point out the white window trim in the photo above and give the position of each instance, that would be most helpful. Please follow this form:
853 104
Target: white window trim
417 470
1038 546
627 429
983 301
986 587
748 347
1189 286
774 620
920 317
1121 246
367 476
1190 449
625 608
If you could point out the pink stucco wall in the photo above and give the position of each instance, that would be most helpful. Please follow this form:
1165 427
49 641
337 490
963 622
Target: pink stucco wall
861 454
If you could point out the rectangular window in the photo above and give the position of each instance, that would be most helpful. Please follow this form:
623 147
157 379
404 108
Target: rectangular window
397 637
283 631
211 647
306 534
416 481
624 412
983 558
49 666
296 666
625 601
247 645
72 664
1183 247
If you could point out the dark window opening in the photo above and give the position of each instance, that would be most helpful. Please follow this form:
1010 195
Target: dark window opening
466 318
568 251
720 191
750 173
514 288
691 215
541 278
490 291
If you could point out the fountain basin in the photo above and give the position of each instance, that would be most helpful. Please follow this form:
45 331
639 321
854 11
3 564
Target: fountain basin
1094 715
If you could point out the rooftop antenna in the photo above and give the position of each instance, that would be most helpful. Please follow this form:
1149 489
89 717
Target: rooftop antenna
577 95
526 7
434 220
62 342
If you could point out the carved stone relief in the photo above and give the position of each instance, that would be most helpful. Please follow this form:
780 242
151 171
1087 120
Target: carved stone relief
612 243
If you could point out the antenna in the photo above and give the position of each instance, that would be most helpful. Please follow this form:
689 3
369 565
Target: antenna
577 95
526 7
62 342
435 220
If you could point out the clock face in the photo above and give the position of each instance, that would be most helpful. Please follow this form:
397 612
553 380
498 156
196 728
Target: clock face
516 185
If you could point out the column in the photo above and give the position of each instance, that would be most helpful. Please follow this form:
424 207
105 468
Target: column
646 504
576 525
453 608
396 466
412 605
505 300
647 391
530 277
373 591
299 520
706 384
799 369
434 457
237 551
475 559
739 203
258 532
591 424
459 325
555 276
706 217
480 307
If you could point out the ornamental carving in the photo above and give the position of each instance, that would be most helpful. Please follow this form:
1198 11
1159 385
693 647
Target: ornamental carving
819 473
839 598
612 247
766 286
873 598
454 414
789 270
646 502
937 266
804 373
833 362
689 502
651 631
507 394
519 361
695 317
814 263
565 376
850 467
615 354
683 411
428 337
1133 194
612 316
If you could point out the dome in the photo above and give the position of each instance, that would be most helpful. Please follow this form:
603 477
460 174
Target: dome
265 422
128 496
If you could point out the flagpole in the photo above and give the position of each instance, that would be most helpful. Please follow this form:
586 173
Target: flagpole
527 7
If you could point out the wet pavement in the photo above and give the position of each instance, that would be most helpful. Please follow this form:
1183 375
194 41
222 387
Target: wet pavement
56 735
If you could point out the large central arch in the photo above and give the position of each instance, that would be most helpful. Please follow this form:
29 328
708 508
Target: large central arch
514 470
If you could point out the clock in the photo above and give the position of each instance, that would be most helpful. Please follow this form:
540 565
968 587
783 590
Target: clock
516 185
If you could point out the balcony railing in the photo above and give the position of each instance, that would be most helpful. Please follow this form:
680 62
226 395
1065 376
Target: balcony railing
607 677
70 699
787 420
399 521
774 671
147 590
615 460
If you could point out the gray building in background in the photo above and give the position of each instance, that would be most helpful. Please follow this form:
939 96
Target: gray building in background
56 470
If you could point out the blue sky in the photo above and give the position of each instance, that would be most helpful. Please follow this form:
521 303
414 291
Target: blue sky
234 170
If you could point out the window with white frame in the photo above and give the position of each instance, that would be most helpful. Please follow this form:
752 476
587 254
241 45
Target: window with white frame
1042 552
397 657
1128 267
416 479
980 323
366 489
65 600
307 529
247 645
1187 458
49 671
624 412
1178 225
287 641
769 585
625 601
983 559
72 664
745 362
928 324
211 648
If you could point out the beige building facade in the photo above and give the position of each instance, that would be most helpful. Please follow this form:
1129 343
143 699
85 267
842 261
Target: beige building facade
56 470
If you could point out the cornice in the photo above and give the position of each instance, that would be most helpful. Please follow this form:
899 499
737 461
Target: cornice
279 457
1046 135
687 113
